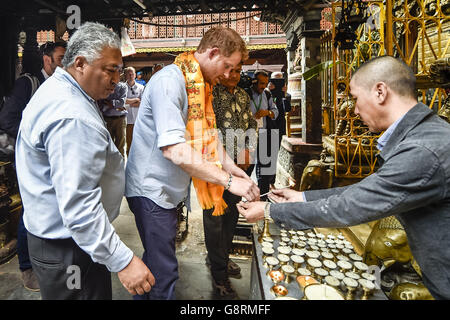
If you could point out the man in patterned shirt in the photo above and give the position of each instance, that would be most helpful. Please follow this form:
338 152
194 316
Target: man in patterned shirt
238 132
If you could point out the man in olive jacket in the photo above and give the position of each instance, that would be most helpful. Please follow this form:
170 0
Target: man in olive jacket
412 183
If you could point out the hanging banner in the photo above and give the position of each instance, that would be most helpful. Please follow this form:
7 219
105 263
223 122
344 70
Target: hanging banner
126 46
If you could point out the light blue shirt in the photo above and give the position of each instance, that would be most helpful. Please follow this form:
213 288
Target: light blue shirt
260 102
70 174
161 122
383 139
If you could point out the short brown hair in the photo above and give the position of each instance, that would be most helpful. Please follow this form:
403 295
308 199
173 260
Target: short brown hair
226 40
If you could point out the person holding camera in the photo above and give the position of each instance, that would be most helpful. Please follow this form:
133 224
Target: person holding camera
282 100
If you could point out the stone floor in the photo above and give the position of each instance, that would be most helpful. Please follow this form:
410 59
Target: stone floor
195 279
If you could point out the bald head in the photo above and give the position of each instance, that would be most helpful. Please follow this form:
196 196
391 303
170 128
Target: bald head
393 72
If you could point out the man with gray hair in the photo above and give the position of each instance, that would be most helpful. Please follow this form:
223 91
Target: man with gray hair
71 176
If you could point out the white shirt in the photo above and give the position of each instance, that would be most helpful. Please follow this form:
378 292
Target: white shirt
134 91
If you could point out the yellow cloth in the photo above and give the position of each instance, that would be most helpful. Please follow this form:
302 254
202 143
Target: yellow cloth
201 129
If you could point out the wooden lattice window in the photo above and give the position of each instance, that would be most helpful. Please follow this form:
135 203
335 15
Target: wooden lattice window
178 30
170 30
272 28
191 30
241 25
162 30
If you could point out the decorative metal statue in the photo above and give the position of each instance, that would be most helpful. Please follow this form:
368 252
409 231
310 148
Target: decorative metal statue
387 245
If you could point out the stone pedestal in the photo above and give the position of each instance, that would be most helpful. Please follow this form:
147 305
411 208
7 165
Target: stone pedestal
293 157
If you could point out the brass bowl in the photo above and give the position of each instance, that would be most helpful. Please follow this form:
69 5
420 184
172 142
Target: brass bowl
355 257
287 271
284 250
283 259
332 281
360 267
279 290
337 274
297 261
304 281
344 266
298 252
276 276
303 272
317 291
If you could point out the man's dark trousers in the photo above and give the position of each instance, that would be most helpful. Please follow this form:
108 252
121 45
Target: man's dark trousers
158 229
219 233
65 272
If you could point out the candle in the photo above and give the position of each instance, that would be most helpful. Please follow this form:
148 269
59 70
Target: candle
314 263
342 258
279 290
267 250
337 274
327 255
360 266
301 244
322 292
284 250
298 252
312 254
283 259
287 270
368 276
353 275
321 273
349 282
272 261
344 265
347 251
329 264
303 272
267 244
332 281
276 276
304 281
355 257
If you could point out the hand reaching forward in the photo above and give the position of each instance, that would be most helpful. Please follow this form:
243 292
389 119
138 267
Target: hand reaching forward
245 187
136 277
285 195
252 211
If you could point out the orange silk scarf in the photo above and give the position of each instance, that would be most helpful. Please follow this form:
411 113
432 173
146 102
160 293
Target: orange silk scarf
201 130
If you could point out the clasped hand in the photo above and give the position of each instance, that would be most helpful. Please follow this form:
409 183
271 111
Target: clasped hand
254 211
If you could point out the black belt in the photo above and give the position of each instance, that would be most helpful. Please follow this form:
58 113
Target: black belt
114 117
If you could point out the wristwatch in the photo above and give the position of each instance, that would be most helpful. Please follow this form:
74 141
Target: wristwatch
267 211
